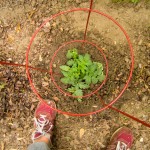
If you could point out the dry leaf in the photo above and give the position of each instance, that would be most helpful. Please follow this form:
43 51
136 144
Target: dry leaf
81 132
66 116
34 100
32 107
56 98
40 58
19 139
2 145
18 28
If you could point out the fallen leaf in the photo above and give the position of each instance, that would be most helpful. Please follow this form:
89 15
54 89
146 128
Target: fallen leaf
32 107
81 133
18 28
2 145
19 139
34 100
40 58
56 98
66 116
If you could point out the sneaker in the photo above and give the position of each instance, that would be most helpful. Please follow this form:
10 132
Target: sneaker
44 120
122 139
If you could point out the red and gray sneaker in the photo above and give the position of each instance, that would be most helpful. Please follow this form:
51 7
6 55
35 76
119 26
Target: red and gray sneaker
122 139
44 120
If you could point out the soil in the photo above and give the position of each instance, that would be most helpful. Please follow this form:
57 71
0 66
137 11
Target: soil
19 20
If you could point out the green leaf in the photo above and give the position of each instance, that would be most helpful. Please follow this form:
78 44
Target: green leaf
82 85
69 54
65 80
99 65
94 80
81 58
87 57
70 62
72 80
101 77
71 89
87 80
93 67
72 54
79 99
99 71
134 1
78 92
65 73
65 68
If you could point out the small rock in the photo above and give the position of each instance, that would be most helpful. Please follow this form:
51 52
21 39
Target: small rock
40 58
61 29
141 140
54 65
140 65
9 59
45 83
47 25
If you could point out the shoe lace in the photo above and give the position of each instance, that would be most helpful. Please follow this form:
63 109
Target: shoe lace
40 123
121 146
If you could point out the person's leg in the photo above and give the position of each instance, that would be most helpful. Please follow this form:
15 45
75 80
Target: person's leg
44 122
38 146
122 139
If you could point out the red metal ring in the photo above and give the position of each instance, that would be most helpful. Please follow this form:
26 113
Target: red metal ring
59 88
131 65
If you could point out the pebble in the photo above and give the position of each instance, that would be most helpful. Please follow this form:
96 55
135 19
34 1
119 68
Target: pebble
47 25
141 140
140 65
54 65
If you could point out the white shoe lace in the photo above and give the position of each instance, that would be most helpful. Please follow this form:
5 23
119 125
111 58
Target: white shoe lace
121 146
40 123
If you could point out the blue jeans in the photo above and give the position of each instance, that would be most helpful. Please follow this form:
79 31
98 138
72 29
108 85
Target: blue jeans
38 146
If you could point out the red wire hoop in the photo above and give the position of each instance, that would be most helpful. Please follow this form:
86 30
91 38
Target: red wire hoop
59 88
131 65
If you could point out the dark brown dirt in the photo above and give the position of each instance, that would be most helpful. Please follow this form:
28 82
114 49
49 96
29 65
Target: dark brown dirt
18 21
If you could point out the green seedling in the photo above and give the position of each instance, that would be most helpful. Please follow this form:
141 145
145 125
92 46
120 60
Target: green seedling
80 72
